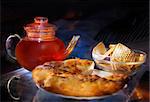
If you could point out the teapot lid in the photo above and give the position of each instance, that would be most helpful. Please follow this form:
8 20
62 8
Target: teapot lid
40 26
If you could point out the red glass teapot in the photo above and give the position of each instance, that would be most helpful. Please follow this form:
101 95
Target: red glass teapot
40 44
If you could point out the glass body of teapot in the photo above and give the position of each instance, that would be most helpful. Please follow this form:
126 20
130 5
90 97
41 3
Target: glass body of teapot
41 45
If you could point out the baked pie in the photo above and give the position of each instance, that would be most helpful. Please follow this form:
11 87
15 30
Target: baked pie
74 77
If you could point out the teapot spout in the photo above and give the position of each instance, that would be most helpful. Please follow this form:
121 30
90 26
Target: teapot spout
71 45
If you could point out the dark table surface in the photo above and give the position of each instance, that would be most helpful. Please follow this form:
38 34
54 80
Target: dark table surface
27 90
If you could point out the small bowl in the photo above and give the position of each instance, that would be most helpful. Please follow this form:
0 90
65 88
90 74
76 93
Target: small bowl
119 67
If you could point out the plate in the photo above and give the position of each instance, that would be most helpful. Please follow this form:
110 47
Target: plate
78 98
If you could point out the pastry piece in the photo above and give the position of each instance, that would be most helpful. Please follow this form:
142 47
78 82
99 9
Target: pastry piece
85 66
100 52
100 49
74 77
112 45
109 75
121 53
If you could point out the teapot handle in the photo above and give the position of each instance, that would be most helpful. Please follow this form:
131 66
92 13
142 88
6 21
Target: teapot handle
8 45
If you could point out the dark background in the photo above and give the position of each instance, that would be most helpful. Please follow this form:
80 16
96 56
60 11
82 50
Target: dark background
16 13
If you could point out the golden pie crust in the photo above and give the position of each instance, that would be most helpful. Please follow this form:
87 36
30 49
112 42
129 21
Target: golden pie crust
73 78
